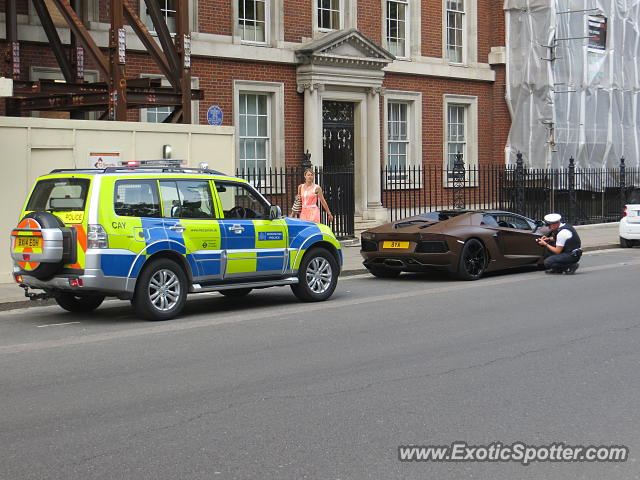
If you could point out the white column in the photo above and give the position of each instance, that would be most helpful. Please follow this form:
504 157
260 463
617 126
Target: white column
373 150
311 128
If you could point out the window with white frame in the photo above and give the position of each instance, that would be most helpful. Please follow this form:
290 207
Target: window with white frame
455 15
402 137
329 14
253 21
397 135
253 131
461 136
168 11
456 133
397 25
258 115
157 114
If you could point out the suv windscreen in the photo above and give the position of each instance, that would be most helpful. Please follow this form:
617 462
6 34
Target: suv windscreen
59 194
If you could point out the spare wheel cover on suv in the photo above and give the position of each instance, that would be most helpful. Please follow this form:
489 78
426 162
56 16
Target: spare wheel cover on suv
37 221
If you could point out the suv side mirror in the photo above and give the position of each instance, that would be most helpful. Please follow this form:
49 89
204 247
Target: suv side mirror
275 212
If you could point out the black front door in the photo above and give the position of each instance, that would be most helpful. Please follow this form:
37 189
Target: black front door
337 134
338 158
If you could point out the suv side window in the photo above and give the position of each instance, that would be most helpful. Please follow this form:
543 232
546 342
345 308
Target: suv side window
136 198
186 199
240 201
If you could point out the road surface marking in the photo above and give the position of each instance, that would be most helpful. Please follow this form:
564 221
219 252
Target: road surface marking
56 324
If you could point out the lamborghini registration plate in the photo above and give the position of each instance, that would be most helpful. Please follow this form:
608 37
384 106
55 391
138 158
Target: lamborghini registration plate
395 245
28 242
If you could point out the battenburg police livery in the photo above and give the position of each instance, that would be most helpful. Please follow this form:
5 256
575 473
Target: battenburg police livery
153 233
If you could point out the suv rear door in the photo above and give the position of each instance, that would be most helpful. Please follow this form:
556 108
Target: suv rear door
255 246
191 226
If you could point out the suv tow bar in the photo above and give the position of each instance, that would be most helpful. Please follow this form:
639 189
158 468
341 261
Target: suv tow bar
35 296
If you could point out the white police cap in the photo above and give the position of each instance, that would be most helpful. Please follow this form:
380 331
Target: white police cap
552 218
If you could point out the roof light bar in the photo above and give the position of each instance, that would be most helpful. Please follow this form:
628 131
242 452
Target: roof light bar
169 162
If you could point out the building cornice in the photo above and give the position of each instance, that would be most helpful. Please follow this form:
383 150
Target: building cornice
437 67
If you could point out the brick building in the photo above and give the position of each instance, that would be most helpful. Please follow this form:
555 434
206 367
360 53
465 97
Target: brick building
400 82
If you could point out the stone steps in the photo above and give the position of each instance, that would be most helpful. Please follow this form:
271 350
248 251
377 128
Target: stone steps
362 225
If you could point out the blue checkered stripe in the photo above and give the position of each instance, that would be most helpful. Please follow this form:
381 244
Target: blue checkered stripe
301 234
120 264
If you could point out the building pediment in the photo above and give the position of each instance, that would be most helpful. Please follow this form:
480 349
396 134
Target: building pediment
348 48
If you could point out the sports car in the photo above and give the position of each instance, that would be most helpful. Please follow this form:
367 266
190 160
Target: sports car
464 243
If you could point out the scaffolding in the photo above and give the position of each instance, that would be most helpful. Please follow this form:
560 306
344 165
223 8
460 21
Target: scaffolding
573 82
116 94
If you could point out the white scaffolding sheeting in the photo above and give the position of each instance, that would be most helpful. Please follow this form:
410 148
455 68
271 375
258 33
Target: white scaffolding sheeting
573 82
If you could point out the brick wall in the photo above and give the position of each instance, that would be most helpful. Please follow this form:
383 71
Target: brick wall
484 16
497 23
432 24
298 21
433 91
501 115
370 20
215 16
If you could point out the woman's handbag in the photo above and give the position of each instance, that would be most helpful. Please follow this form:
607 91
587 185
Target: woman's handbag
297 204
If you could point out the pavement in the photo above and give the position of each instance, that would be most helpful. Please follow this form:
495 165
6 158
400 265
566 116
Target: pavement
594 237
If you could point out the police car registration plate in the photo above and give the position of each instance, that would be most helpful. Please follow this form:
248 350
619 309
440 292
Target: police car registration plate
28 242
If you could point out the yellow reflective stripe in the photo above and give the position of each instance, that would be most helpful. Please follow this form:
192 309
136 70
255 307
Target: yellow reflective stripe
239 263
295 258
216 200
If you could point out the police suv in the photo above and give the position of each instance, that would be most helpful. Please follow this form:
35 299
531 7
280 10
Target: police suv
153 232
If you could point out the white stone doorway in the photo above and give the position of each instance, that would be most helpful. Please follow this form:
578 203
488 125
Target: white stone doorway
346 66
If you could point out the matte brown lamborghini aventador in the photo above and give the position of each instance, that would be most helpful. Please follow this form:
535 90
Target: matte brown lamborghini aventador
462 242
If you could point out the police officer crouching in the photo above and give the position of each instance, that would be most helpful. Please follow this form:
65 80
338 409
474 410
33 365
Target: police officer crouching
564 244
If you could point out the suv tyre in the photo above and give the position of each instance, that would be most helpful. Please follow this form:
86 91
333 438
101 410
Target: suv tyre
317 275
78 303
45 271
161 290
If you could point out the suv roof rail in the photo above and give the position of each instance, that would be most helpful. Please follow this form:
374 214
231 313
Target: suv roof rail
133 169
125 169
91 170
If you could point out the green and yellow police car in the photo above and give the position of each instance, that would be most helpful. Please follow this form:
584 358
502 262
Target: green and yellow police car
152 232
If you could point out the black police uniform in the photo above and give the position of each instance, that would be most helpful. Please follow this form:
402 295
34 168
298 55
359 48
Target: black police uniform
570 255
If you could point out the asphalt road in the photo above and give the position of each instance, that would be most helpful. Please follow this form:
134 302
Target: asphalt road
269 388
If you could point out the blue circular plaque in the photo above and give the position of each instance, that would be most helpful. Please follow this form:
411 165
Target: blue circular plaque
214 115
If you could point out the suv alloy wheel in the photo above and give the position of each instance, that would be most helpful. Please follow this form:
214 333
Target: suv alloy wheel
317 275
161 290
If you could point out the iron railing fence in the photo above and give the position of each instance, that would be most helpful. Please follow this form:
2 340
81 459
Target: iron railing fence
583 196
280 186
